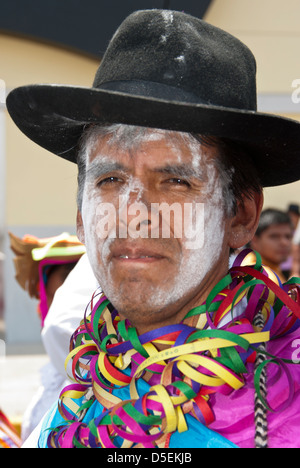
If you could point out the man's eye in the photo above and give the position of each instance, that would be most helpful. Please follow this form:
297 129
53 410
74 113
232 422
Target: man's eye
107 181
179 181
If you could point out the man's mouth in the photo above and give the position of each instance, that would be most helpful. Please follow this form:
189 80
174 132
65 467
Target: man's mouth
141 256
135 254
138 258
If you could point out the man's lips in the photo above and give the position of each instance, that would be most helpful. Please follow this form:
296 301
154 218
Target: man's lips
141 259
136 254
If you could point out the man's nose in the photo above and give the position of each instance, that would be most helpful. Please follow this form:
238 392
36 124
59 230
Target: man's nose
134 216
286 241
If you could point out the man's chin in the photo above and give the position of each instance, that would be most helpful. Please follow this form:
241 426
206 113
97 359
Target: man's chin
130 295
137 301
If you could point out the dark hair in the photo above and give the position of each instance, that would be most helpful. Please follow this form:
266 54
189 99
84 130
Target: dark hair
293 208
237 162
270 217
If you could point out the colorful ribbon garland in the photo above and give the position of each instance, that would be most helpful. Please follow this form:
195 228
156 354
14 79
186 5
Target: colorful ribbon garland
194 362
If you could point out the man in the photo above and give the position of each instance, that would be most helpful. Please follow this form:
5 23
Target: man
42 266
172 156
294 213
273 239
296 253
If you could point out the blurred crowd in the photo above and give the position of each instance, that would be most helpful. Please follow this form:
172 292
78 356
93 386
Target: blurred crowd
277 240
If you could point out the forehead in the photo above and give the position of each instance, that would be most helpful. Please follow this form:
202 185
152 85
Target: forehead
283 228
149 146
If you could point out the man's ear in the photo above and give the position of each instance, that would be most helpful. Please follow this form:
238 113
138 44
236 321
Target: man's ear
244 224
80 228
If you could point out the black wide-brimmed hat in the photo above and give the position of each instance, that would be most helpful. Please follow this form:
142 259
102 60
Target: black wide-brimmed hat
166 69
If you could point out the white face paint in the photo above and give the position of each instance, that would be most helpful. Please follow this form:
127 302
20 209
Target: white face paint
151 281
199 259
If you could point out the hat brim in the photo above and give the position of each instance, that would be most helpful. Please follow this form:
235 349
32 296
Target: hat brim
54 117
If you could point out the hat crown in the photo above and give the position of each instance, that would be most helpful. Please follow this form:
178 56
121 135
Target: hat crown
167 70
172 55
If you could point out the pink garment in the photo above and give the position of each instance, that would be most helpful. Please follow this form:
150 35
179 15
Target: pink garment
234 414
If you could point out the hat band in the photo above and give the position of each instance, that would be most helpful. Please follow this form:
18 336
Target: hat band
152 90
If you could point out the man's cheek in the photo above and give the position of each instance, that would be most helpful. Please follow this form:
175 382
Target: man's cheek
105 221
194 225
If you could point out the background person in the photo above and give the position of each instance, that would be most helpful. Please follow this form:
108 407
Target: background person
42 266
294 211
294 214
273 239
289 267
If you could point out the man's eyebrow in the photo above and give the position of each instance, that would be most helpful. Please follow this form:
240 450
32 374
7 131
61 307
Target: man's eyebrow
98 168
180 170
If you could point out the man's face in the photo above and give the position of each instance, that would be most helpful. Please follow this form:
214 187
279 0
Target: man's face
146 260
274 243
